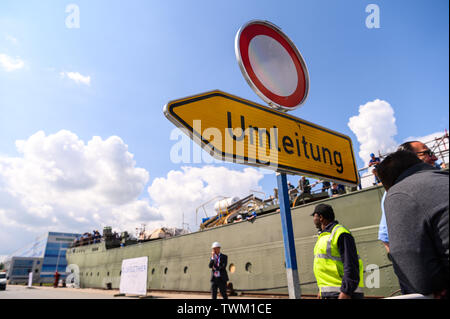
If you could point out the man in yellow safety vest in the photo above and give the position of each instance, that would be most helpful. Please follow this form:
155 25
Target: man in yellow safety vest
337 266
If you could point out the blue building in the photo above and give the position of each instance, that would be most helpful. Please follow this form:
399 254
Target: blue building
43 257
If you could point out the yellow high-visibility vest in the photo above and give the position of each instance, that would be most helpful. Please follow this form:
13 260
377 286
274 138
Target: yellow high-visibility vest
328 266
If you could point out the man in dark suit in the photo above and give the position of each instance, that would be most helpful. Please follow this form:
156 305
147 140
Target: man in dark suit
219 275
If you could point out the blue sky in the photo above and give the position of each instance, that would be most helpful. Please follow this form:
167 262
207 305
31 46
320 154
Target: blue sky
141 54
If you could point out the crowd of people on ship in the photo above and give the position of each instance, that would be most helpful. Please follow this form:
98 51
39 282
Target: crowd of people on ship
91 238
306 188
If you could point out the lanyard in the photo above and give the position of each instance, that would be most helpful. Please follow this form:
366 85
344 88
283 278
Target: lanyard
218 260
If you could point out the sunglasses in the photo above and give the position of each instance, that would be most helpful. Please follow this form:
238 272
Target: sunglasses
427 152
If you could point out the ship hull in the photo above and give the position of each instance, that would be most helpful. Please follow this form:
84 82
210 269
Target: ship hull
255 252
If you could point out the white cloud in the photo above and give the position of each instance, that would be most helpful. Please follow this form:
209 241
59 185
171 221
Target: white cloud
10 64
76 77
185 190
61 183
374 128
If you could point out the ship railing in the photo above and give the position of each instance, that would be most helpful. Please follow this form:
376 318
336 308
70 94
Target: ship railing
296 194
366 177
202 206
86 242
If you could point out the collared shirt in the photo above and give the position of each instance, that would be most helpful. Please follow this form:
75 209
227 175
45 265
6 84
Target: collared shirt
349 255
383 230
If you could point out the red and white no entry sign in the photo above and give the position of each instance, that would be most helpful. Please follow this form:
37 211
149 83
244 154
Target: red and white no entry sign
272 65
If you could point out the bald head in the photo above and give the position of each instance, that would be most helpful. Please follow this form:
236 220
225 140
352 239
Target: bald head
421 150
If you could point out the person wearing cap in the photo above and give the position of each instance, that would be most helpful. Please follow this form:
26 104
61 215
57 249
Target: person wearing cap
219 275
337 266
374 161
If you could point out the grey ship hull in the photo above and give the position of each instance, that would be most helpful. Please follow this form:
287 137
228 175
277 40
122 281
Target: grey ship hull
255 251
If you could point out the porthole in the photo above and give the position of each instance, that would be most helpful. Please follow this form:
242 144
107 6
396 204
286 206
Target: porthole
248 267
232 268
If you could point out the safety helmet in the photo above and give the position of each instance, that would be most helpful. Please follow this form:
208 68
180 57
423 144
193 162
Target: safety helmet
215 244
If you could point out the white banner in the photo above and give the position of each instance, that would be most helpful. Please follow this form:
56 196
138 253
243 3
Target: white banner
133 279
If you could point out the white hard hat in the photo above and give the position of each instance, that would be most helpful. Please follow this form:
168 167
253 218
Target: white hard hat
215 244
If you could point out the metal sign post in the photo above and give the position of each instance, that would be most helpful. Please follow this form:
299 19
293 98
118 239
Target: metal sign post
288 238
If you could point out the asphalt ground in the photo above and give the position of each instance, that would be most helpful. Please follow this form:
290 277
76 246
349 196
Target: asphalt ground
71 302
23 292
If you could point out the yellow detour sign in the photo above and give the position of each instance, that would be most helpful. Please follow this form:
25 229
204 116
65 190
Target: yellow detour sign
240 131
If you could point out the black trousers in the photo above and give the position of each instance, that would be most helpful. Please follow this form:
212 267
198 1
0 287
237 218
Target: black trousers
222 285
